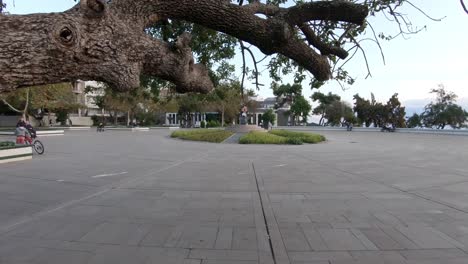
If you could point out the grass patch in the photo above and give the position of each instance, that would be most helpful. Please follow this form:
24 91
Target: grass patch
281 137
255 137
7 144
305 137
207 135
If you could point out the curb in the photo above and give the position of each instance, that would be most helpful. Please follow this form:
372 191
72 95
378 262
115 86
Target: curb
17 153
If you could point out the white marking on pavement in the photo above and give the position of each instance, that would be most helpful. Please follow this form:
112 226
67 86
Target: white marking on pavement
110 174
281 165
60 180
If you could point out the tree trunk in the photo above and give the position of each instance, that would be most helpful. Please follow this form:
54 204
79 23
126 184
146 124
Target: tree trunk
222 116
106 42
128 118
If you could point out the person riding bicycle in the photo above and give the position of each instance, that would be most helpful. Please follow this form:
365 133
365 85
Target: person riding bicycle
32 132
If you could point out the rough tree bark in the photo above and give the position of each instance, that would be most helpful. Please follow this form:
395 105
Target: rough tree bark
106 41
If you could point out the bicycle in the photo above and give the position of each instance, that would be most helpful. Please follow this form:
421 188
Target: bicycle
36 145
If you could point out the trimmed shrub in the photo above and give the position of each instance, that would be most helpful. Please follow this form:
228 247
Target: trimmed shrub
255 137
6 144
294 141
303 136
213 123
207 135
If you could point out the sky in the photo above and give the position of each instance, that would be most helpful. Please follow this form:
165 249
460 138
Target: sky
414 66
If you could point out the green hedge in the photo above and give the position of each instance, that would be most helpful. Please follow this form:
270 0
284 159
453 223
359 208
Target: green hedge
255 137
7 144
303 136
207 135
280 137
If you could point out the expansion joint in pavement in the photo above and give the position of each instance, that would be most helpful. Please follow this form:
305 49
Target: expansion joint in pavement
264 216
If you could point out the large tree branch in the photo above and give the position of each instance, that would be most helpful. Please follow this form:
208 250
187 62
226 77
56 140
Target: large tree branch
11 106
176 64
106 42
273 35
344 11
325 49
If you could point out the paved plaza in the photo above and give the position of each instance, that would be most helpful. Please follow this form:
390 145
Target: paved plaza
142 197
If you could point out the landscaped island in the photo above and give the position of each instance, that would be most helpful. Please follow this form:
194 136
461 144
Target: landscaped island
253 137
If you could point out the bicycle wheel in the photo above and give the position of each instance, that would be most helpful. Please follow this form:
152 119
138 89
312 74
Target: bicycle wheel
38 147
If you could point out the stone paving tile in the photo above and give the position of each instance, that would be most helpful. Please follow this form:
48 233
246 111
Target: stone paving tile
294 239
244 239
62 256
440 254
341 239
224 238
311 257
313 237
138 255
382 257
426 237
231 255
381 239
118 234
228 262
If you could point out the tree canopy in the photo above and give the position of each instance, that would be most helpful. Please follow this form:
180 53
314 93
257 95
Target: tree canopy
324 100
119 41
444 111
36 102
372 112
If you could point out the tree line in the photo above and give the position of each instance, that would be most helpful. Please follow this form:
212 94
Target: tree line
438 114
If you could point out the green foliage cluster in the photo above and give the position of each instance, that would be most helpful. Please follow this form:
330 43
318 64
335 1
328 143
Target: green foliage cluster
281 137
213 123
6 144
207 135
373 112
292 95
268 117
303 136
40 99
332 110
443 111
414 121
255 137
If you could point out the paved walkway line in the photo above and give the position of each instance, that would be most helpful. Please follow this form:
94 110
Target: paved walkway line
234 139
276 244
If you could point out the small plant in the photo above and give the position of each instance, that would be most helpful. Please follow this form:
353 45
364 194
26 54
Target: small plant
213 123
203 124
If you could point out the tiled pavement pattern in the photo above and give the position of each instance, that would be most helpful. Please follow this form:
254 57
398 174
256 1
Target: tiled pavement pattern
121 197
